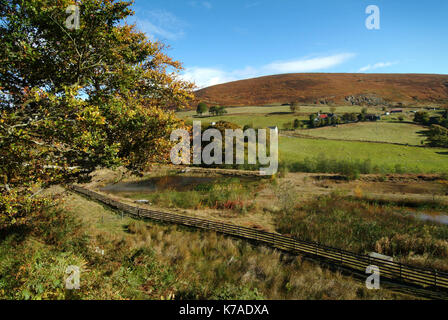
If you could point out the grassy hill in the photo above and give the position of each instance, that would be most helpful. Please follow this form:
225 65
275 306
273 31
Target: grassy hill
356 89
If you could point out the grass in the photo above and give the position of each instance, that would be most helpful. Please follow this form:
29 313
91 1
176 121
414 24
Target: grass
276 115
365 226
277 108
227 193
144 260
34 260
403 133
386 156
254 120
265 116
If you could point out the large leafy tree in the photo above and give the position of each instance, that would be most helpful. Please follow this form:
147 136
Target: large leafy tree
437 136
73 100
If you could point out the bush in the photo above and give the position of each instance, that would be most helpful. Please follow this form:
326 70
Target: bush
202 108
349 168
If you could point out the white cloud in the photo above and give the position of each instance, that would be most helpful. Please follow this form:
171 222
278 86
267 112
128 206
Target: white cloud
207 4
204 4
160 24
376 66
205 77
307 65
252 5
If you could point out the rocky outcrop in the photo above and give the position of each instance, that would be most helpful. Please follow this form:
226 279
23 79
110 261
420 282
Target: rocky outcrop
365 99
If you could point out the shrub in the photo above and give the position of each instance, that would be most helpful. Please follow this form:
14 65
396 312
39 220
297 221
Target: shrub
349 168
201 108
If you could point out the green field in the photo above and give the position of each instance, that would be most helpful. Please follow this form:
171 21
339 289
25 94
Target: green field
385 155
278 108
403 133
277 115
266 116
261 121
411 159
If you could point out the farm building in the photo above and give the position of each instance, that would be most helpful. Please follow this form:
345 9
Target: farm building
325 116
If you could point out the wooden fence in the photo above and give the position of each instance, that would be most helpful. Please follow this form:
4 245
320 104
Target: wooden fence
406 274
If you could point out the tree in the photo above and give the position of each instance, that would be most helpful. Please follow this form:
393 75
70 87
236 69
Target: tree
73 100
248 126
202 108
361 117
213 111
297 124
438 136
421 117
294 107
287 126
313 122
222 110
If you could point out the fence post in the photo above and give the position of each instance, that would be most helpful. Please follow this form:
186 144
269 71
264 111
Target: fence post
435 278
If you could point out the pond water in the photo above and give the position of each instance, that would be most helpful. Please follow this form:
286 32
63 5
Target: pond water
178 183
441 218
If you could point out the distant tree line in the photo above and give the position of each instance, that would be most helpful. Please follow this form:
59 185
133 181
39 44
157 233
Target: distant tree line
423 117
315 120
217 110
438 130
214 111
438 136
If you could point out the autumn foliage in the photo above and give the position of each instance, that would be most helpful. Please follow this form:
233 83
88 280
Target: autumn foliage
75 100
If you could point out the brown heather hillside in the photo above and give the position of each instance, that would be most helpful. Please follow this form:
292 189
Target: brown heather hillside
369 89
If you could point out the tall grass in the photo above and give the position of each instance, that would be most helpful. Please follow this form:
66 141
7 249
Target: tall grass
229 193
349 168
217 267
363 227
145 260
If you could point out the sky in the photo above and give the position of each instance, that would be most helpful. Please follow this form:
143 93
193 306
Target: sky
226 40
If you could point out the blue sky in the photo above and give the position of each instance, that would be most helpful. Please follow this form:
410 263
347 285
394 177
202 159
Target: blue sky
225 40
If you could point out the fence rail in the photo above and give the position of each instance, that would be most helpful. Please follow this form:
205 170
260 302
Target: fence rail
426 278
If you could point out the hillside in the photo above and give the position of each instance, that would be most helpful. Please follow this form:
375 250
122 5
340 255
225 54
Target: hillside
356 89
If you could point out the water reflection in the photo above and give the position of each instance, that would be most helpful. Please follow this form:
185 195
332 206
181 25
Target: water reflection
179 183
441 218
